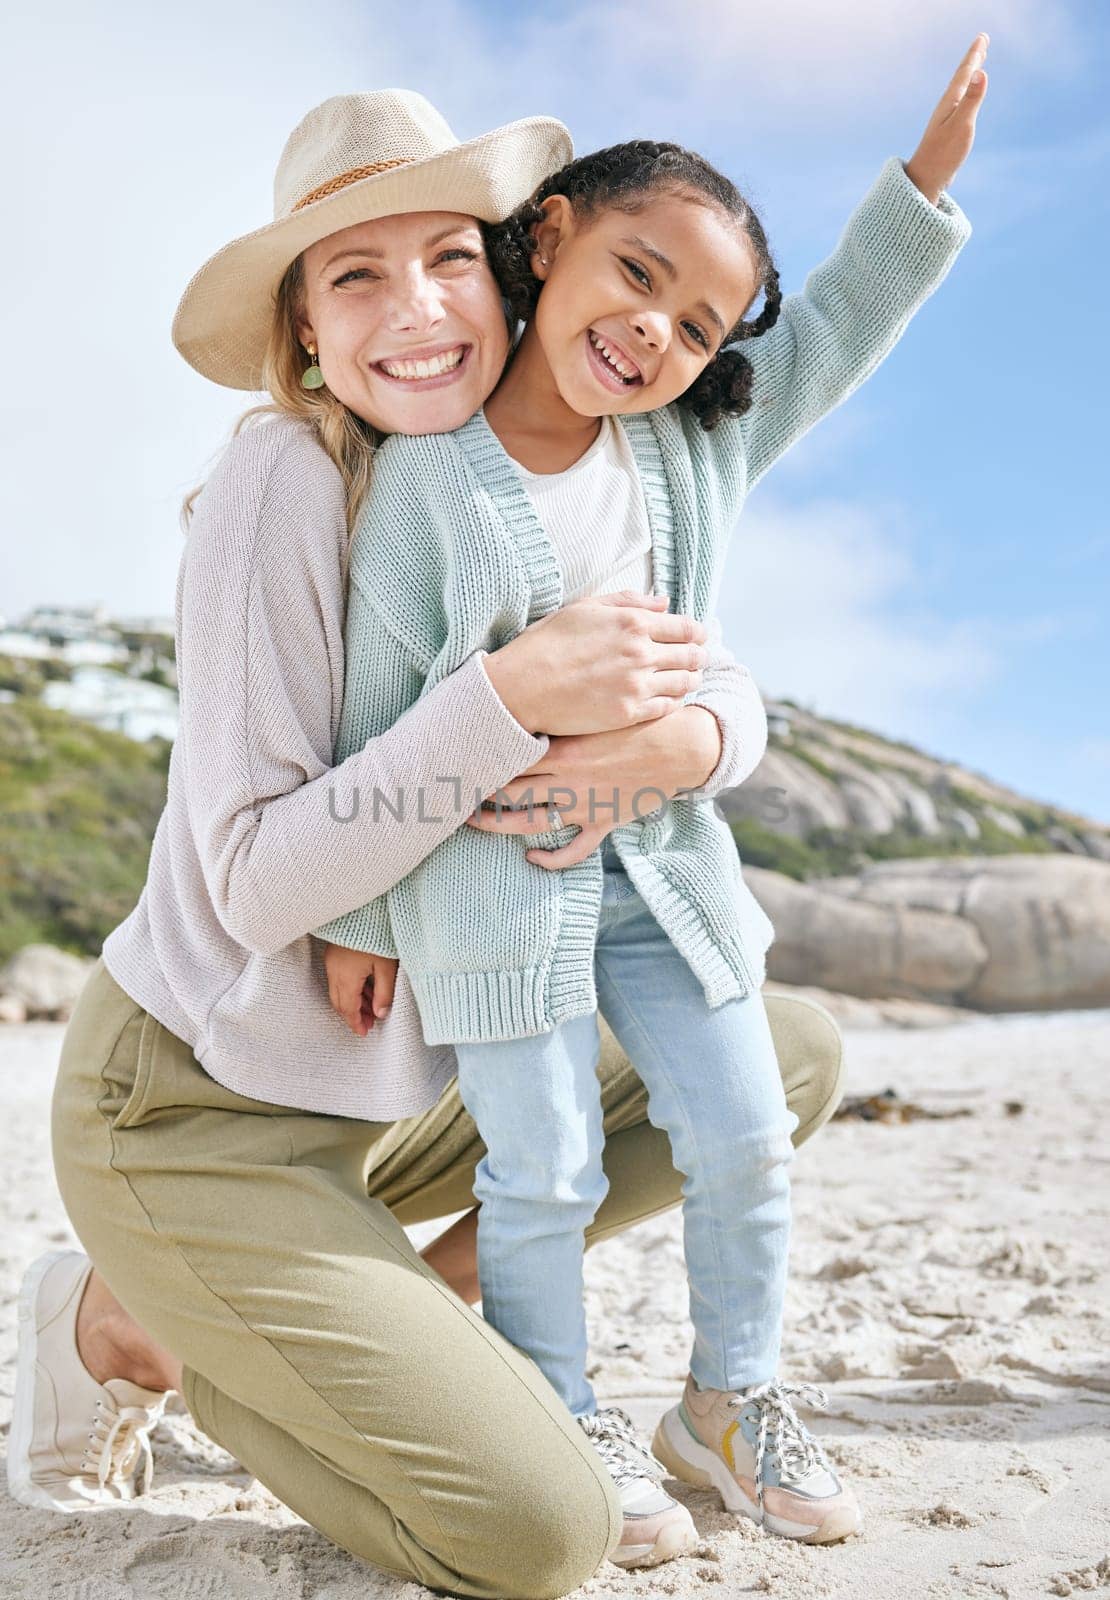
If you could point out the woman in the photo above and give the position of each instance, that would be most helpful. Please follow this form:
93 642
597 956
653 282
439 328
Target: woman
236 1158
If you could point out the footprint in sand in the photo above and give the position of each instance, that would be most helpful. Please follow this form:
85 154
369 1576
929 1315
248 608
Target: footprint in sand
93 1589
174 1569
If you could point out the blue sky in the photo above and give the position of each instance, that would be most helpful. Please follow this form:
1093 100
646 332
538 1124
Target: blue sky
933 560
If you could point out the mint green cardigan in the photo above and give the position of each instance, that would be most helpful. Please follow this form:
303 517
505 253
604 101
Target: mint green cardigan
449 557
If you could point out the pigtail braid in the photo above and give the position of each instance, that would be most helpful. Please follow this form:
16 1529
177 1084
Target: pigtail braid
725 387
510 248
772 303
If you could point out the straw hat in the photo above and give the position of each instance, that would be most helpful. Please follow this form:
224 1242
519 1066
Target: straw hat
351 159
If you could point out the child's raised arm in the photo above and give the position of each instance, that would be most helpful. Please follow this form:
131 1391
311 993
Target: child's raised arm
895 250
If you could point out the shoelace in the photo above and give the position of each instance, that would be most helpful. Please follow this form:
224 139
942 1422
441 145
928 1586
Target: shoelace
797 1450
614 1438
118 1443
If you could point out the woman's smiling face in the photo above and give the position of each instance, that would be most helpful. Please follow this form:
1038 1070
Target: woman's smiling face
407 319
636 304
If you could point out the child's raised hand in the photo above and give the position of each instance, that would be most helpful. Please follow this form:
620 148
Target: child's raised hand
947 140
360 985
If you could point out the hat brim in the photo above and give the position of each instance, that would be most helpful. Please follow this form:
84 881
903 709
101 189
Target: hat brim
222 323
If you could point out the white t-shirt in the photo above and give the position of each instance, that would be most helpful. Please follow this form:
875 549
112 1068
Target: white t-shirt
595 515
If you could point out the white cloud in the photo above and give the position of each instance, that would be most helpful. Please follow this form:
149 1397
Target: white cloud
1095 752
770 72
1009 184
153 138
819 601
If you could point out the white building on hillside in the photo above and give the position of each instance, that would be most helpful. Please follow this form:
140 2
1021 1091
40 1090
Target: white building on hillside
132 706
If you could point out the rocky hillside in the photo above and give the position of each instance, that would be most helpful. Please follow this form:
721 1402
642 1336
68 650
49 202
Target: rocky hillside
829 798
890 874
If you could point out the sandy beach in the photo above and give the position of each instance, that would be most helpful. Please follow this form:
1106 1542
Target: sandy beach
950 1289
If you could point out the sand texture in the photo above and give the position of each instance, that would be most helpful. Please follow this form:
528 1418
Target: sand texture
949 1288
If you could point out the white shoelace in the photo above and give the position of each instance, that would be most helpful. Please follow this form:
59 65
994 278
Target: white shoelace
614 1438
797 1450
116 1443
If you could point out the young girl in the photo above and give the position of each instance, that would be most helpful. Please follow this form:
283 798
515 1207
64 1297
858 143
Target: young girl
623 440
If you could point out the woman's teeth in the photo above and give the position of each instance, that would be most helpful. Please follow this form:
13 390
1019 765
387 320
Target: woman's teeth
424 369
620 366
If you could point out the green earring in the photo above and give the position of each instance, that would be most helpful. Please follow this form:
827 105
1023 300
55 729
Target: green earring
312 377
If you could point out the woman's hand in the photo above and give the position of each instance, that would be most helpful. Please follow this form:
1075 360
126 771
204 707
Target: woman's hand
605 661
644 766
947 140
360 985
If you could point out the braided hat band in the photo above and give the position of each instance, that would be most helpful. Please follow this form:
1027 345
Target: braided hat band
333 185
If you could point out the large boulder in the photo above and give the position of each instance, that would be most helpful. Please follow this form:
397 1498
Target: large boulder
873 807
918 806
880 799
795 796
1098 844
44 980
826 938
1043 921
788 796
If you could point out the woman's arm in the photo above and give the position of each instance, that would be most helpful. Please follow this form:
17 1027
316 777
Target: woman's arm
281 842
729 691
282 845
671 754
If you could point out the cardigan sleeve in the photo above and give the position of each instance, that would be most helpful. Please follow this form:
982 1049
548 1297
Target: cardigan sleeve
260 662
383 682
729 691
895 250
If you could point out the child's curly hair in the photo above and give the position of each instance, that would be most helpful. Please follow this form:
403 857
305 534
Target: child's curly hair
621 177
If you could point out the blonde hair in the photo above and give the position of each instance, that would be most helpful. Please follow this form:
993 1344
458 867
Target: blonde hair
348 440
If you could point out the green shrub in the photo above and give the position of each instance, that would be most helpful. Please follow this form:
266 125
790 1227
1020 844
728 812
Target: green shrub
806 753
78 809
20 675
760 846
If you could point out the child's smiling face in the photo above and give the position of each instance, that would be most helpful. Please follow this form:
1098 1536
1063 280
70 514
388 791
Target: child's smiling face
636 304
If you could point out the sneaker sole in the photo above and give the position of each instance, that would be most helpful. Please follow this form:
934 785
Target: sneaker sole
694 1463
20 1484
679 1541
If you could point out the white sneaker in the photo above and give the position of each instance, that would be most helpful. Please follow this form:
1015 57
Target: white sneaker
74 1444
656 1528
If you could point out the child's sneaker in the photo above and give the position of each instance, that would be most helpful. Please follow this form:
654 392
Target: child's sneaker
718 1439
656 1528
74 1444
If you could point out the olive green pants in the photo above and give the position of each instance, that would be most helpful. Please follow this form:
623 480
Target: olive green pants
264 1247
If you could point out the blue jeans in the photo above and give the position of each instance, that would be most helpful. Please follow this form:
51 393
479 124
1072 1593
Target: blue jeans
713 1084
